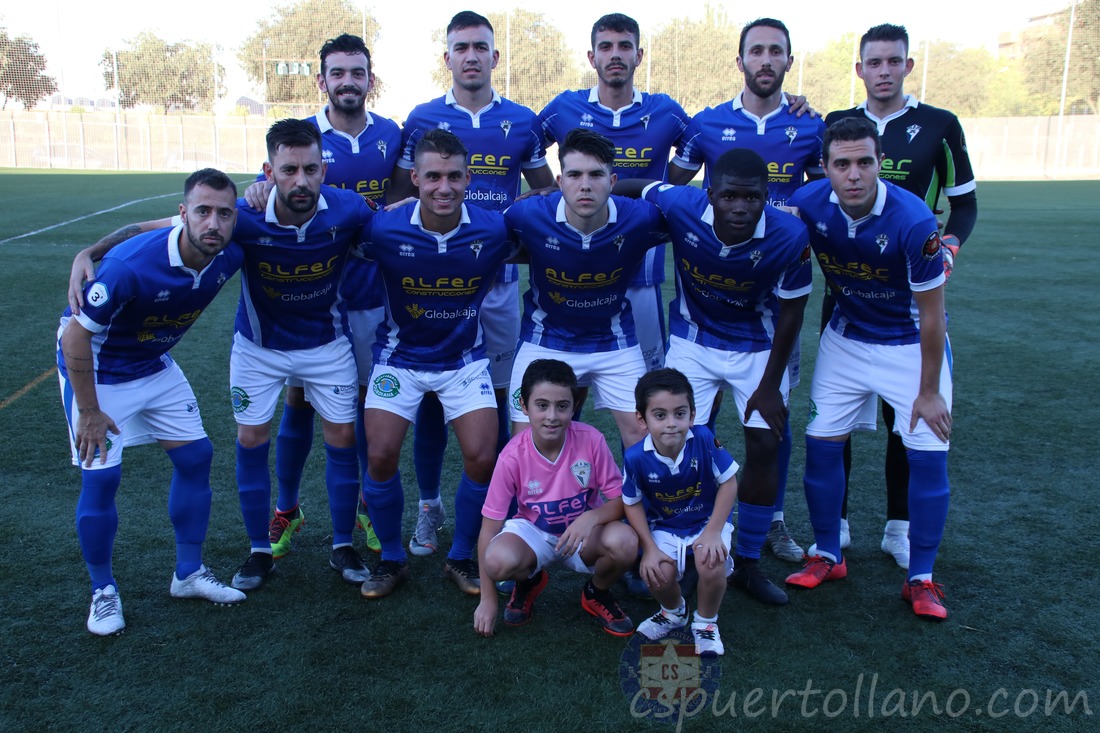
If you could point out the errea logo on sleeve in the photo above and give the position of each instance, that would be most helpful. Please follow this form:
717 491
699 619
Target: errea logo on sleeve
98 295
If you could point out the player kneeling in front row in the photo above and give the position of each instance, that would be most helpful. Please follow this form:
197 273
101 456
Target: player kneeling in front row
688 483
120 386
556 470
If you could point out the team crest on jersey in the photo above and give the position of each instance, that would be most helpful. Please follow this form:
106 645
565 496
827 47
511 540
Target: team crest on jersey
932 246
98 295
694 464
756 255
534 488
326 156
387 386
443 126
581 471
415 310
691 239
586 120
221 278
265 241
822 229
645 122
883 242
912 131
792 133
618 241
506 127
332 231
162 296
476 247
553 243
381 147
729 135
239 399
406 250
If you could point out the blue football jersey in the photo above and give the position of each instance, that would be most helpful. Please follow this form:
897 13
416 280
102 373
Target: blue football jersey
874 265
503 139
576 300
290 284
790 145
434 286
678 495
644 132
728 297
142 302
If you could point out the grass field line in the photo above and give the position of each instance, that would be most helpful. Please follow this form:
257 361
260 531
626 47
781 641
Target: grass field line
88 216
28 387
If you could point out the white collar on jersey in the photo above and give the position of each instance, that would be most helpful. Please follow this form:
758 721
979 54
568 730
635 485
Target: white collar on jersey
450 101
739 103
876 210
911 102
673 465
594 98
325 126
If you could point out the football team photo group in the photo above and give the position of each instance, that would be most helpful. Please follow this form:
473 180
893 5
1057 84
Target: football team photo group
400 284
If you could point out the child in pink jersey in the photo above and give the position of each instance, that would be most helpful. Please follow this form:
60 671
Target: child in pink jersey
556 471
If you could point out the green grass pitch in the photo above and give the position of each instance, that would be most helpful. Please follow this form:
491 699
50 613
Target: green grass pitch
305 652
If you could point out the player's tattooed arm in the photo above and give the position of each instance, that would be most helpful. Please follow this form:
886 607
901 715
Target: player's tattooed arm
83 269
92 424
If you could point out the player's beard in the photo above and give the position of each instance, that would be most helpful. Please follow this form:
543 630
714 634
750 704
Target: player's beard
201 245
298 206
348 105
761 91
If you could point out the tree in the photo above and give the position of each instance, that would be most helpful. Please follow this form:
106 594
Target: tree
828 75
1045 50
695 61
172 76
22 71
294 34
535 61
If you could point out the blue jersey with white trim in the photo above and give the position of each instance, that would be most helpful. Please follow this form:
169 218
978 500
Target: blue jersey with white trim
290 284
644 132
503 139
678 495
790 145
576 300
142 302
434 286
728 297
874 265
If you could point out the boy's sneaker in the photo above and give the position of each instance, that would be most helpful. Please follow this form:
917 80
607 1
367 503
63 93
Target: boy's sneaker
429 521
660 624
282 528
521 605
780 543
255 570
105 615
362 521
897 546
602 605
708 642
464 574
747 576
926 598
384 580
817 570
202 584
351 566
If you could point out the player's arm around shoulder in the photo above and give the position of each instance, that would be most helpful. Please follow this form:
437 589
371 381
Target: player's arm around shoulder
83 269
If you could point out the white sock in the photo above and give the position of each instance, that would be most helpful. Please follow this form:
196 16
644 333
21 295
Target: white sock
699 619
899 527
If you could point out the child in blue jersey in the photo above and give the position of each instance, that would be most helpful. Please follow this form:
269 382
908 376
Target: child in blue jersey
679 488
120 386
